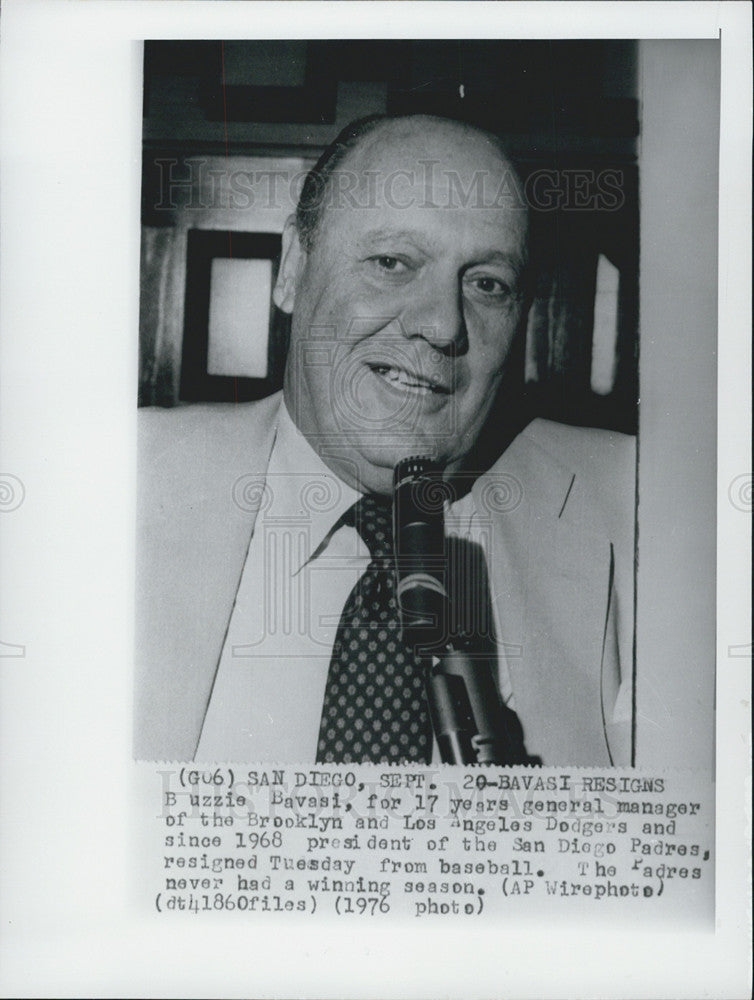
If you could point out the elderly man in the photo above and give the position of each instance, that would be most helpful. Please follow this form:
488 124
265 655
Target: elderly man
263 631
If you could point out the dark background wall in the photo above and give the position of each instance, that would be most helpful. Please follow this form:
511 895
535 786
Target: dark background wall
567 109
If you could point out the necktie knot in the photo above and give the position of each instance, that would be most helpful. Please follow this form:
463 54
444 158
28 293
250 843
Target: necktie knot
372 516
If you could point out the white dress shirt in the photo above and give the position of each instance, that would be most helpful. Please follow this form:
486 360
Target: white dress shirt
266 701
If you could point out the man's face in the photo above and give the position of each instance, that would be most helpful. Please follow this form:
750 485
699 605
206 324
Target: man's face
405 309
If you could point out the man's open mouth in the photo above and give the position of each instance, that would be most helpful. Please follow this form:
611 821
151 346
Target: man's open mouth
399 378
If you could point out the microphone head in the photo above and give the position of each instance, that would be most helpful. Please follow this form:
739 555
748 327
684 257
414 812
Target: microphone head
415 467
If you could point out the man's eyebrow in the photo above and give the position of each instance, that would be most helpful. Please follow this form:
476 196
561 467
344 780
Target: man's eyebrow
424 241
374 235
516 261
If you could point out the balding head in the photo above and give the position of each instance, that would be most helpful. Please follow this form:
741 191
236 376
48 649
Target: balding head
350 163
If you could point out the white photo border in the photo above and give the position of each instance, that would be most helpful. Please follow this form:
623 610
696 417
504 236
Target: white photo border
70 86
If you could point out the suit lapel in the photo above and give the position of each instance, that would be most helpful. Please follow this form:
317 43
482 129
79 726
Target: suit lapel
199 492
550 575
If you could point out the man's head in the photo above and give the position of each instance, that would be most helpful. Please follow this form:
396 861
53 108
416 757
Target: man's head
404 270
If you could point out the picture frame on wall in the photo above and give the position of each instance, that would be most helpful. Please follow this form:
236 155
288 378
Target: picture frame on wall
234 341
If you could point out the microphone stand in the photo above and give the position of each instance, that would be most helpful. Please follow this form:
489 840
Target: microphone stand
471 724
468 716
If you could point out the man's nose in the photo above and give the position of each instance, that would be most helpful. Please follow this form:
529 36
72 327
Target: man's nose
435 314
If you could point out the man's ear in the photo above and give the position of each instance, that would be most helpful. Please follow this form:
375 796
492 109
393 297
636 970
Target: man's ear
292 259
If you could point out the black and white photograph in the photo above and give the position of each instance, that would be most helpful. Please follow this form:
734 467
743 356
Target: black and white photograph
375 498
445 289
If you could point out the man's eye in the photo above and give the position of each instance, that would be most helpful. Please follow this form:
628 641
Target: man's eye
387 263
491 286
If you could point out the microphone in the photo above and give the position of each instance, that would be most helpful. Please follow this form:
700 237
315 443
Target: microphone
419 539
470 723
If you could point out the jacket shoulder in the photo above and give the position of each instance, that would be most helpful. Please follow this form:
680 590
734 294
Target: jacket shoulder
211 432
600 466
584 448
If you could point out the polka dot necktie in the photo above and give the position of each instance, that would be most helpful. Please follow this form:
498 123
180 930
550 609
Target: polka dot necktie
375 708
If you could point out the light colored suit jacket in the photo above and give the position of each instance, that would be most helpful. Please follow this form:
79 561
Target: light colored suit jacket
560 563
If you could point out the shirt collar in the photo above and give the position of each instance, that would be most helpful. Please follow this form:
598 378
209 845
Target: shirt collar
304 492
